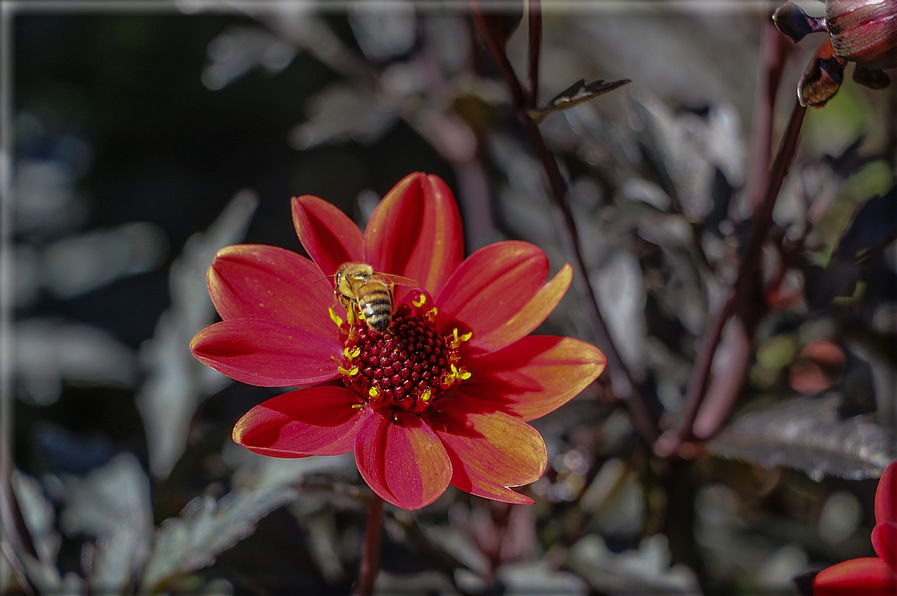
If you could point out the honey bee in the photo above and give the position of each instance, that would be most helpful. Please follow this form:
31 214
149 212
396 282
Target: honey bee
358 285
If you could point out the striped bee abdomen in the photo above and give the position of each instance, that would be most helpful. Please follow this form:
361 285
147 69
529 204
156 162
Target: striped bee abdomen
376 304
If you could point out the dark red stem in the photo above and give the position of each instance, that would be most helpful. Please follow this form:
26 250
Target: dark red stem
370 554
628 387
534 45
747 276
774 48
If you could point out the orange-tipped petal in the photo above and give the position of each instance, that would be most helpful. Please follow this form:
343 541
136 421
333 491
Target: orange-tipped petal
327 234
316 421
886 496
533 376
266 282
401 459
266 354
490 451
884 540
499 294
868 576
415 232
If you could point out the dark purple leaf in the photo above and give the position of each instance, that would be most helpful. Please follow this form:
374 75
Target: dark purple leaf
873 227
811 435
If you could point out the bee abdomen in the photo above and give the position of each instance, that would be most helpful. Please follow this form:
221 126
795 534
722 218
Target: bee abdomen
377 309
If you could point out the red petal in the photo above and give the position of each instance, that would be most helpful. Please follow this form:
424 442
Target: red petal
266 354
314 421
884 540
327 234
858 577
498 294
402 460
886 496
490 451
266 282
415 232
533 376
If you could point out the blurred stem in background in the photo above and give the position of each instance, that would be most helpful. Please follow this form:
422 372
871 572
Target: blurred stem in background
494 32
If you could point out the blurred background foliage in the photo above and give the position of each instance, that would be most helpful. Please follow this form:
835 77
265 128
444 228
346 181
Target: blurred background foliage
144 140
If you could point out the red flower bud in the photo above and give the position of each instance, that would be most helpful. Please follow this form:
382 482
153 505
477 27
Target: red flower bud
864 31
860 31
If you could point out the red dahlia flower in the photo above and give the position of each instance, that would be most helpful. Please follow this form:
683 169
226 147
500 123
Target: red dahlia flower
870 576
443 395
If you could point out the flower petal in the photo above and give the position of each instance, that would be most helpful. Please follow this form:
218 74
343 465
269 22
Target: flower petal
415 231
265 353
327 234
498 293
401 459
868 576
266 282
533 376
886 496
489 450
884 540
315 421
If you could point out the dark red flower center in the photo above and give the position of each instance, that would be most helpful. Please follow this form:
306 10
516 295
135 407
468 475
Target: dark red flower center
407 367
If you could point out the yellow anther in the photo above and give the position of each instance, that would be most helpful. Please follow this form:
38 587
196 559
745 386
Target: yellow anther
357 406
336 319
348 372
374 392
353 353
456 340
456 374
430 315
426 396
420 300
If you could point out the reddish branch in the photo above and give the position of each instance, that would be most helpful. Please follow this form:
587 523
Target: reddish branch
370 555
629 388
533 49
748 276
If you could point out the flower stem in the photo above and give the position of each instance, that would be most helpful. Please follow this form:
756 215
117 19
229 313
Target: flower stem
774 48
748 276
370 554
534 46
625 384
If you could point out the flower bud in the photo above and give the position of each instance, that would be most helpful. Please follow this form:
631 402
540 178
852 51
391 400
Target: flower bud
864 31
860 31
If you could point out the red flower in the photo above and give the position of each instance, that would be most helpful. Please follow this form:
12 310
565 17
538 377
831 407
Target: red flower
443 396
870 576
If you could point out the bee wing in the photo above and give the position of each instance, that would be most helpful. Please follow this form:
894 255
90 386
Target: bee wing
398 279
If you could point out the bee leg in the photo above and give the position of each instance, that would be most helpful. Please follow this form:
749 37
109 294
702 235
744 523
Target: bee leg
349 305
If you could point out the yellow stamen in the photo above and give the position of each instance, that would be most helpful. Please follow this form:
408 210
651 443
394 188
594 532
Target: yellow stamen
426 395
374 392
455 374
350 372
352 354
357 406
420 301
430 315
336 319
456 340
